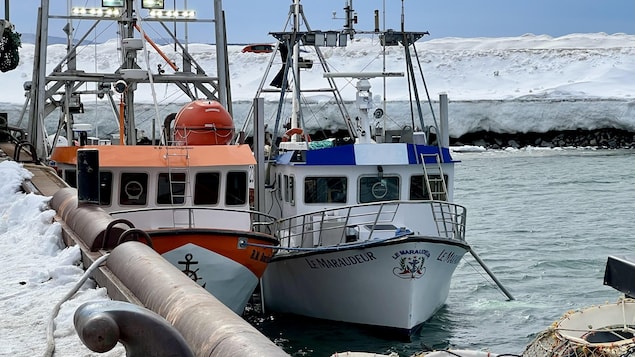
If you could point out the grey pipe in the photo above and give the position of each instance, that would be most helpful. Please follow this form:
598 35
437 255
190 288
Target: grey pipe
209 327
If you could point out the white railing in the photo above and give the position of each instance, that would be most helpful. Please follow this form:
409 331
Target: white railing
379 220
199 217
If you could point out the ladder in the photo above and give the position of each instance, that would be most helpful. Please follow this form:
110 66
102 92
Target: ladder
177 158
442 211
440 192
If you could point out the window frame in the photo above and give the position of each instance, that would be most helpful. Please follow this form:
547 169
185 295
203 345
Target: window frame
363 189
327 188
139 200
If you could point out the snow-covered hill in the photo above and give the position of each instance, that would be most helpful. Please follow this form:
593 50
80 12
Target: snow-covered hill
526 83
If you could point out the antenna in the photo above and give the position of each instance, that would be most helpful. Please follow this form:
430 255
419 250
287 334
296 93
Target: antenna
350 18
402 16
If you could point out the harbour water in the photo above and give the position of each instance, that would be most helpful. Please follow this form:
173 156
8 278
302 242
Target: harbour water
543 220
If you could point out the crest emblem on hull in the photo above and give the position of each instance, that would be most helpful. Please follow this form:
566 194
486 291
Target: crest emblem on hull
410 267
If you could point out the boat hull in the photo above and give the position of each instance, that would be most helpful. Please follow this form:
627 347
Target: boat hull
397 284
602 330
217 261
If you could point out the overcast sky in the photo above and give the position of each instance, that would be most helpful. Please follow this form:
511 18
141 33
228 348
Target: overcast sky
250 21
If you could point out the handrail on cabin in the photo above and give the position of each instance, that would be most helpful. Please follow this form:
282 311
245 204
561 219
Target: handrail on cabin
449 225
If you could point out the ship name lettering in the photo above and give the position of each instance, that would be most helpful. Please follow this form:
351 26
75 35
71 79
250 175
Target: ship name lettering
321 263
411 252
448 257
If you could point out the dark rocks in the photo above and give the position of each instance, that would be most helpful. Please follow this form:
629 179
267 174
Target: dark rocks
607 138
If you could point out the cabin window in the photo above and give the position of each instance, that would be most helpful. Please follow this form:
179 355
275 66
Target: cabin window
105 188
279 184
236 192
171 191
325 190
133 189
419 190
375 189
289 188
286 188
206 188
70 176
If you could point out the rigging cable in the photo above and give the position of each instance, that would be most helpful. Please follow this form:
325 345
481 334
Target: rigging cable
146 56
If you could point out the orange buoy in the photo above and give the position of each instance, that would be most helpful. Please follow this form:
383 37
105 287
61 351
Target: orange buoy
203 122
294 131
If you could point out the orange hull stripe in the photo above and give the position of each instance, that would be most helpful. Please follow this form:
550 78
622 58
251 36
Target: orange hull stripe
253 258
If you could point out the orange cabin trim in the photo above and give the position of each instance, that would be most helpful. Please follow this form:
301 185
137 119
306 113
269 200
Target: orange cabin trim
155 156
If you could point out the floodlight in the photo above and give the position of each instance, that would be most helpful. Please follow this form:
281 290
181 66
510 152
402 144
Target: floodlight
153 4
112 3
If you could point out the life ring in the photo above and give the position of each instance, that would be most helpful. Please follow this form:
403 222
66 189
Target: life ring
287 136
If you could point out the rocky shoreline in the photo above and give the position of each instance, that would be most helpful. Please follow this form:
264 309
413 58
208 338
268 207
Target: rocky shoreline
607 138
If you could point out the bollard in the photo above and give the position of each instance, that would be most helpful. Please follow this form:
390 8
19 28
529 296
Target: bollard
101 325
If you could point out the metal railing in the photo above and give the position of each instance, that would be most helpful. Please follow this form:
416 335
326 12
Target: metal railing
257 221
373 221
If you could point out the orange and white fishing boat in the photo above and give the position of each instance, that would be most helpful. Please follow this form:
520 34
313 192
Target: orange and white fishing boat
191 197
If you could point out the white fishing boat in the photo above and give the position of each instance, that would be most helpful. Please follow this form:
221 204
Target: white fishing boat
369 230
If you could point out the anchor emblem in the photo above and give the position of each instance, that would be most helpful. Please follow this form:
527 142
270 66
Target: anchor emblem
192 274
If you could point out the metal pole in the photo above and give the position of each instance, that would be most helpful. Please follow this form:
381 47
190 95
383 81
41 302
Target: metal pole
220 52
491 275
38 88
259 147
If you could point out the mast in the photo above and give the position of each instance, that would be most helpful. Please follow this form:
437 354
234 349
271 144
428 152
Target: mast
296 69
67 83
38 84
221 51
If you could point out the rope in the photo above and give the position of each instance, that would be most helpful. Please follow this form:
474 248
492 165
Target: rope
50 328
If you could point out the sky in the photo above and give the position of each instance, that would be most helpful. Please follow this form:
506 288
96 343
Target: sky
250 21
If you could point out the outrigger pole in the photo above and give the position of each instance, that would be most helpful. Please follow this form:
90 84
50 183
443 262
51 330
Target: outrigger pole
491 275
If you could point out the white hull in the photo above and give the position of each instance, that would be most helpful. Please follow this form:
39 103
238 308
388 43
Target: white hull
229 281
370 285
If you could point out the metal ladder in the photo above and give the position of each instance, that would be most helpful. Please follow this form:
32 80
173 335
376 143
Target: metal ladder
441 211
443 194
172 152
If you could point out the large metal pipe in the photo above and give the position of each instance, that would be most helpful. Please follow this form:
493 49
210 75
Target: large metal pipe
89 222
209 327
